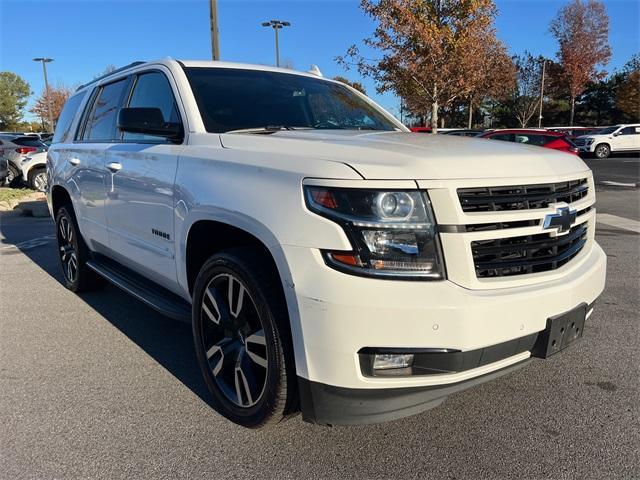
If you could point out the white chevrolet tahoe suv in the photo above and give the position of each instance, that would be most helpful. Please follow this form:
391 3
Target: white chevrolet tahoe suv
618 139
328 260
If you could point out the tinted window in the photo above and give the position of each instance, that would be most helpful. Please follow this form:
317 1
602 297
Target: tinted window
234 99
29 142
153 90
532 139
628 131
606 131
101 124
505 137
66 118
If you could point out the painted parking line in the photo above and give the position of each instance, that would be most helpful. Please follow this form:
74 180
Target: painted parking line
28 244
618 222
617 184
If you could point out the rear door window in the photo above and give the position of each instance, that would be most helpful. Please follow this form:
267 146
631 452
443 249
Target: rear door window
101 124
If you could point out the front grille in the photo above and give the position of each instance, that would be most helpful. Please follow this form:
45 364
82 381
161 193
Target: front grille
521 197
541 252
580 142
483 227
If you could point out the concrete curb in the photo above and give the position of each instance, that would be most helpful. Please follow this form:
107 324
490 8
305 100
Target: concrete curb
32 205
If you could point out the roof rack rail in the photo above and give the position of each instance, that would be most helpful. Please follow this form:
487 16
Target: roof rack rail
121 69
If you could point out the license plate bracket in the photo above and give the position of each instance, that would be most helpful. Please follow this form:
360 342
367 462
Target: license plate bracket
562 330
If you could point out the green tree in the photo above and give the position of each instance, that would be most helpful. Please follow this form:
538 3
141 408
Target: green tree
525 99
14 92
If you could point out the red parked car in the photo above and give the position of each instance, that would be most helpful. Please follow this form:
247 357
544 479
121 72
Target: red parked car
540 138
420 129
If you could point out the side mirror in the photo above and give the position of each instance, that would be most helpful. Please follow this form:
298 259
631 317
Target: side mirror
615 134
149 121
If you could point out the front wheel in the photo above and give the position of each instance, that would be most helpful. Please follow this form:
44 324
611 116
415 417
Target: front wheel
602 151
13 176
242 340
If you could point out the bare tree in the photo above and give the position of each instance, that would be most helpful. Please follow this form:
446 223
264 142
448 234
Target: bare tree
582 31
525 99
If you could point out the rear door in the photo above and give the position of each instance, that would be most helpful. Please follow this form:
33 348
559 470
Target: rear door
87 157
140 187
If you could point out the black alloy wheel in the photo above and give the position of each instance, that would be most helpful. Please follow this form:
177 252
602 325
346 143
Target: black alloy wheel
240 328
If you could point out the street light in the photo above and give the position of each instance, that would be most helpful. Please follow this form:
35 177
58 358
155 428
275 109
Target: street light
44 61
276 25
544 64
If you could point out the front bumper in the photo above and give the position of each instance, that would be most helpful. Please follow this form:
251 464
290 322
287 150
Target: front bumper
329 405
340 314
587 148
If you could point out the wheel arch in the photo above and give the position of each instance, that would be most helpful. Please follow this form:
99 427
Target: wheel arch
59 197
207 234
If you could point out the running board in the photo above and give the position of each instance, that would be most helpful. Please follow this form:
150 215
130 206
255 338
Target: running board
155 296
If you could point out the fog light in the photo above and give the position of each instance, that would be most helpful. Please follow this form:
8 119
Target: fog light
387 361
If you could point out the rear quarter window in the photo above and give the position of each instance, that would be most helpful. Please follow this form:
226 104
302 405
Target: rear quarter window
67 115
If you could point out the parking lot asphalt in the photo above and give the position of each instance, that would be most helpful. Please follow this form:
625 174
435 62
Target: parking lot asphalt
100 386
619 169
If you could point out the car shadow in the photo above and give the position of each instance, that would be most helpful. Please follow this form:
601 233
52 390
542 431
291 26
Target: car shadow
167 341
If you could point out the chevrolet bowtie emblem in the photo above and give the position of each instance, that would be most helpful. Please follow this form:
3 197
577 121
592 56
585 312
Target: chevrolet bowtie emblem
561 220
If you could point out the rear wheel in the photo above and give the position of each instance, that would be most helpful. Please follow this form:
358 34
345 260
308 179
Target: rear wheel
602 150
73 253
38 179
242 341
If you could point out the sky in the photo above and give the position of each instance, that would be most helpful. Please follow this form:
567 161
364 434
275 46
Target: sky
84 36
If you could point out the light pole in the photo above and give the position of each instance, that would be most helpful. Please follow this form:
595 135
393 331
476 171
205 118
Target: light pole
544 63
44 61
213 20
276 25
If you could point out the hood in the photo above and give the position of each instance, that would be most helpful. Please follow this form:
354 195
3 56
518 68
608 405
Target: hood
403 155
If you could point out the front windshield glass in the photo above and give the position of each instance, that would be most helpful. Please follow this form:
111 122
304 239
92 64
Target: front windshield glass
235 99
606 131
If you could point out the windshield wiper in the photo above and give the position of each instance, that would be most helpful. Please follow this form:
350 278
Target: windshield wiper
268 129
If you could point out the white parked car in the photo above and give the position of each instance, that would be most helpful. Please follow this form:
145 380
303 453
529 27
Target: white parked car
619 139
328 260
34 171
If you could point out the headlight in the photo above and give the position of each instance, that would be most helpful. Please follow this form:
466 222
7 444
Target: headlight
590 141
393 233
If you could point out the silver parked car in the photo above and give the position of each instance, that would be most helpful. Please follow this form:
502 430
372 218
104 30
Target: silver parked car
14 148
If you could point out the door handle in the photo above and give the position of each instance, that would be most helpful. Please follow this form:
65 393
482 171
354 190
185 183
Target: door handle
114 166
74 161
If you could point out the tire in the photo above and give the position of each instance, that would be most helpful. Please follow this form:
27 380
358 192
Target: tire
602 151
13 177
73 254
38 179
242 339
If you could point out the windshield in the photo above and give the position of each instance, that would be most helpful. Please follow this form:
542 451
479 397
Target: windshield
234 99
606 131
